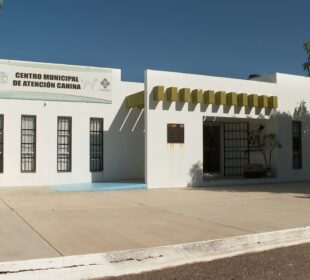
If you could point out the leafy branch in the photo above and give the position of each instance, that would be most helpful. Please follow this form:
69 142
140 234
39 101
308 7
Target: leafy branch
306 65
266 144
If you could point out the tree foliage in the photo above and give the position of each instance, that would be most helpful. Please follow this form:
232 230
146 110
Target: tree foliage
306 65
266 144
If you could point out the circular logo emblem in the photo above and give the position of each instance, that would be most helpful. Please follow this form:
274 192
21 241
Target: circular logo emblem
3 78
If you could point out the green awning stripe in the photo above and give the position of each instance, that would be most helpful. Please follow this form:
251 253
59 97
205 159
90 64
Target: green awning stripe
51 97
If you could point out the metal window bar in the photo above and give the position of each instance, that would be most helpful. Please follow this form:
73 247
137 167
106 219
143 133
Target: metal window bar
1 142
28 143
96 144
297 147
64 144
236 147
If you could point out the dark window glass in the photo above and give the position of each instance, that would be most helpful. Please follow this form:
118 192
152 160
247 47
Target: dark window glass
64 140
297 149
96 144
28 144
211 148
1 143
175 133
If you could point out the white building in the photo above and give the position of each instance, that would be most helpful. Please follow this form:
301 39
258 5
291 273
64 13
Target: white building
64 124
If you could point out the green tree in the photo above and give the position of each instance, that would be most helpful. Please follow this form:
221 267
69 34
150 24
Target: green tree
306 65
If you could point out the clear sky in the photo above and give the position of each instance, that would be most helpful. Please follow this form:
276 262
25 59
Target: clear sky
231 38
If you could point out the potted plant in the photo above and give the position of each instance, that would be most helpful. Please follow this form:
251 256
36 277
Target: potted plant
265 143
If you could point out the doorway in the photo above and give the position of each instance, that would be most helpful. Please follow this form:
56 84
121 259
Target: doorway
211 148
225 147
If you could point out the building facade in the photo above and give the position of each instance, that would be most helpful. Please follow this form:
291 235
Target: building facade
218 117
62 124
70 131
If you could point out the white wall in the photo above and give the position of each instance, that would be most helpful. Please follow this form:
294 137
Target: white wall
292 90
172 165
126 135
132 151
123 148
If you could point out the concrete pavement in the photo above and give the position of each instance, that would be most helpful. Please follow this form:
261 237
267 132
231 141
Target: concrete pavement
40 222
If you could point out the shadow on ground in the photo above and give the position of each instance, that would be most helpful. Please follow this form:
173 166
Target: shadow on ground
294 187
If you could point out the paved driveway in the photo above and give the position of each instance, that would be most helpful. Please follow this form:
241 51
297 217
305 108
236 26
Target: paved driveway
40 222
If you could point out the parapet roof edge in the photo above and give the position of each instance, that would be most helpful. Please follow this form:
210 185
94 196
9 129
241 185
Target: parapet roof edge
54 65
132 82
294 75
219 77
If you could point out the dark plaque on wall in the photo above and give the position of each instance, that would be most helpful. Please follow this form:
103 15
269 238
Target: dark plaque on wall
175 133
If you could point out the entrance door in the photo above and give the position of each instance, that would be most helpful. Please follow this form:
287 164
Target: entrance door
211 148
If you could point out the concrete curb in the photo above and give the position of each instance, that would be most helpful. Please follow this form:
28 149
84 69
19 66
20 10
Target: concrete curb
140 260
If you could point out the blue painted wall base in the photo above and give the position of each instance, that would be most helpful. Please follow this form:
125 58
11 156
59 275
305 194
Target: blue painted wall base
99 186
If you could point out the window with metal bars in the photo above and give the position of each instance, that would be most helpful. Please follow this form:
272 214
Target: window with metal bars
64 143
28 144
96 144
297 149
1 143
236 147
